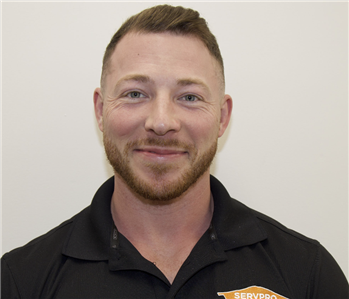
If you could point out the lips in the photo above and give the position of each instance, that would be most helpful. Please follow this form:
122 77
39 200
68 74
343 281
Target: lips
160 151
160 154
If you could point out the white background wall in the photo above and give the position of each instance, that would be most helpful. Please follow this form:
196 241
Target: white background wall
284 154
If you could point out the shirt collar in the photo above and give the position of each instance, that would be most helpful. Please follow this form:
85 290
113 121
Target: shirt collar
90 236
91 231
235 224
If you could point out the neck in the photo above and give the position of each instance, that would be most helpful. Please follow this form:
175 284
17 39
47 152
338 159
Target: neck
167 231
133 216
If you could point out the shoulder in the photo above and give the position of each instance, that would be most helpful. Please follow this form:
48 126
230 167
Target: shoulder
49 243
236 220
277 230
297 252
25 268
270 247
42 248
290 249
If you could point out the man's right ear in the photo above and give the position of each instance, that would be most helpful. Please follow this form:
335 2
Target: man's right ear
98 104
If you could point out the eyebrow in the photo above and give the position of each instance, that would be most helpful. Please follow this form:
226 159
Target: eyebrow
146 79
136 77
191 81
132 77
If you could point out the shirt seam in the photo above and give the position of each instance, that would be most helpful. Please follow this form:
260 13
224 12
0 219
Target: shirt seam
43 236
313 276
290 232
12 277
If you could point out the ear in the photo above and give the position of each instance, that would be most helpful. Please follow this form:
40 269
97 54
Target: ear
226 109
98 104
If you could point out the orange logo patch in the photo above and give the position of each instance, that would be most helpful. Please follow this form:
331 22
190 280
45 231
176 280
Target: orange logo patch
253 292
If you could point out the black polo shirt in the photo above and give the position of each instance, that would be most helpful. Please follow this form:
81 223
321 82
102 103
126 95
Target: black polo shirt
244 254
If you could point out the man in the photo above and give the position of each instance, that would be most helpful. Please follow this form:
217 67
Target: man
162 227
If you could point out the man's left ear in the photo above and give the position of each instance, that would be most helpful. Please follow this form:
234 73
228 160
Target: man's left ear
226 109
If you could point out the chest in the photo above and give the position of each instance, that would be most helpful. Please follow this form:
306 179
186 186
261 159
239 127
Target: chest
199 277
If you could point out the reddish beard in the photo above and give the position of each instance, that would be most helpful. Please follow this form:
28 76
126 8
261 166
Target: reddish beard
159 191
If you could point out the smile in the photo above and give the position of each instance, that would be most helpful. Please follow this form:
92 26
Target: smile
160 153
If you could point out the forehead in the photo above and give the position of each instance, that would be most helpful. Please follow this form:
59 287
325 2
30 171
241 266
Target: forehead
164 53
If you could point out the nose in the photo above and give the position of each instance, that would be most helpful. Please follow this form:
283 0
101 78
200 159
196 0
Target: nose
162 117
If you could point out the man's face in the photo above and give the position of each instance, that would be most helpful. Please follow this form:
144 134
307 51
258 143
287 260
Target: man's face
161 111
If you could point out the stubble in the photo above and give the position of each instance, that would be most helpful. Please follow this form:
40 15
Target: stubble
160 190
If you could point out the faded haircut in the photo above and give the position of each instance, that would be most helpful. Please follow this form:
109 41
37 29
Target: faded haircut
166 18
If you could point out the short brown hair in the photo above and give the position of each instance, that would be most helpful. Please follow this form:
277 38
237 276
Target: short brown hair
166 18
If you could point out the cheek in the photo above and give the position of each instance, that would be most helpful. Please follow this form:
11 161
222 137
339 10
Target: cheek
203 129
121 123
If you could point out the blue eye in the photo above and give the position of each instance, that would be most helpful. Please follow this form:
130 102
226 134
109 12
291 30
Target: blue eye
190 98
134 94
